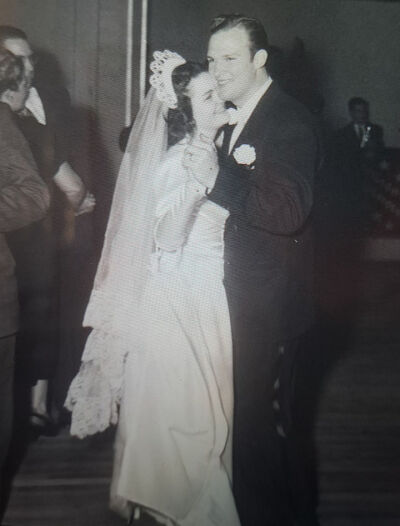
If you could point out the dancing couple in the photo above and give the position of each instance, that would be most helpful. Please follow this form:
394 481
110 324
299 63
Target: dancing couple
202 291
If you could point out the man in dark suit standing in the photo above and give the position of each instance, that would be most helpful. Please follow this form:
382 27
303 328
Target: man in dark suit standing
265 180
361 137
359 150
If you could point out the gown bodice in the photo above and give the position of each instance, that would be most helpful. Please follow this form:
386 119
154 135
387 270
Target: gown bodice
204 243
203 249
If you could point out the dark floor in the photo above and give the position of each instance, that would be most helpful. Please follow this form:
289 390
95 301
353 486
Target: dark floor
64 481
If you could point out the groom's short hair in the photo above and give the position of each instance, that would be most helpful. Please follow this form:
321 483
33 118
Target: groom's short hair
255 30
11 32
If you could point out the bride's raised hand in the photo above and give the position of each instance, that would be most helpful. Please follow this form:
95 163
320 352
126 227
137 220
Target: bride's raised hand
201 159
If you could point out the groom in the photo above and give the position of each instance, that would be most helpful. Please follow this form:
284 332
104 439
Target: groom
265 180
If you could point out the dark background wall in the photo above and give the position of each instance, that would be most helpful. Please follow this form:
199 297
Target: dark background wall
351 45
86 41
351 48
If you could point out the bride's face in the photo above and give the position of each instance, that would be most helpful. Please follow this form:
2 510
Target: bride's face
208 109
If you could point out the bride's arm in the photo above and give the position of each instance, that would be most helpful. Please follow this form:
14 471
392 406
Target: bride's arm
176 214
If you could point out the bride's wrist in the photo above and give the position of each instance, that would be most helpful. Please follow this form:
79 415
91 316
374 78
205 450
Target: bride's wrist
204 138
195 186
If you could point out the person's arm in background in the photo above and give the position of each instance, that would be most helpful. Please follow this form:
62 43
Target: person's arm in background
72 186
58 111
24 197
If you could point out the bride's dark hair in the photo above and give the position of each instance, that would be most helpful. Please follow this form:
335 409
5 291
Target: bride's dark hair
180 120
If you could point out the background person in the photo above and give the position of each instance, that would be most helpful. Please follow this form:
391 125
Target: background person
359 152
24 199
44 121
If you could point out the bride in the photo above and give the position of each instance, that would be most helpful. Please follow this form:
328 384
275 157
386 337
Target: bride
161 341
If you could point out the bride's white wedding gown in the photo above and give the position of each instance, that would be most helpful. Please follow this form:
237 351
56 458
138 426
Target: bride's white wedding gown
173 448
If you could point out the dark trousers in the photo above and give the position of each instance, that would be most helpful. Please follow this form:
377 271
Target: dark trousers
269 472
7 347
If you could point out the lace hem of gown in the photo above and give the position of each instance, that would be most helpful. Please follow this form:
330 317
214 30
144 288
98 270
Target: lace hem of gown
95 392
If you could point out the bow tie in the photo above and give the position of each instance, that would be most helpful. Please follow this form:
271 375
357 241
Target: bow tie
233 116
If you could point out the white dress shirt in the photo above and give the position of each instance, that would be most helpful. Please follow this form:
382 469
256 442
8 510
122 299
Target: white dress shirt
35 106
243 114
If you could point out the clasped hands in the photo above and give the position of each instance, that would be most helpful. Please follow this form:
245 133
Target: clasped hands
87 205
201 160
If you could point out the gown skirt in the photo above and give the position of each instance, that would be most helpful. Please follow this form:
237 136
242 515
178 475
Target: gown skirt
173 446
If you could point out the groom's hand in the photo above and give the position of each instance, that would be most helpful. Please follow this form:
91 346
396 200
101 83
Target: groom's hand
201 160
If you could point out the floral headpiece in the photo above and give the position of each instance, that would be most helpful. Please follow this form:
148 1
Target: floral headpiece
162 67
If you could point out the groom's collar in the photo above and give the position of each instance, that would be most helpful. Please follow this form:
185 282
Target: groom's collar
243 114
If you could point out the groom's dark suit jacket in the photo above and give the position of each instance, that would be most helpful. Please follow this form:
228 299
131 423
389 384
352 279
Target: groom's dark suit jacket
268 241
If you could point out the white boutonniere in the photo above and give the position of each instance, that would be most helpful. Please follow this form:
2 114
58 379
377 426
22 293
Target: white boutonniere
245 154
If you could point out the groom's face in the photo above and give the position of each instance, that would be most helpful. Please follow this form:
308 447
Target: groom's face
231 63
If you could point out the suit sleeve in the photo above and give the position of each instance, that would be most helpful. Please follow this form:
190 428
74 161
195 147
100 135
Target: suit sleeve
24 197
63 123
277 195
231 189
57 106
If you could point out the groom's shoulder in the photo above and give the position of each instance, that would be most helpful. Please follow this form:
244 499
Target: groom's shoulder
277 107
280 101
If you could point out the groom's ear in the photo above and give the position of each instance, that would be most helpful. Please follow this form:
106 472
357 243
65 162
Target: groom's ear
260 58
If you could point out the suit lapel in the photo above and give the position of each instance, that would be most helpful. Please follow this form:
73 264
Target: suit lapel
351 135
356 139
256 121
228 130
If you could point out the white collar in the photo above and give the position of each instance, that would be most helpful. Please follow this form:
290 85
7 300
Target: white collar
35 106
243 114
247 109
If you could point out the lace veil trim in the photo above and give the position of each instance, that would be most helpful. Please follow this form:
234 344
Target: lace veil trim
125 264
